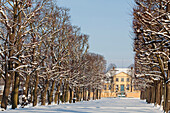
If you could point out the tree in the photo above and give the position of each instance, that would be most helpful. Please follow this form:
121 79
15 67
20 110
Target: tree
151 44
42 53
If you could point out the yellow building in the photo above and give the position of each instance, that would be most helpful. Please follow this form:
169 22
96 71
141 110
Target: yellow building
120 83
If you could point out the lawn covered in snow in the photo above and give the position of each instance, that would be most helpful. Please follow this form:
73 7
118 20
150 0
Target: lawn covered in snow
105 105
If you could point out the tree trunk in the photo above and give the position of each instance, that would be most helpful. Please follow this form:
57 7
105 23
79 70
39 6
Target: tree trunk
35 89
32 94
167 99
57 95
15 93
81 94
100 94
84 93
59 98
153 94
63 92
89 91
67 92
6 91
155 88
148 95
12 87
9 63
93 94
168 84
143 95
159 93
51 92
97 94
25 91
19 45
71 96
77 94
44 95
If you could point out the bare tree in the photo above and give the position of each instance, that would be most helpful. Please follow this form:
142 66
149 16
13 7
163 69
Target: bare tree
151 44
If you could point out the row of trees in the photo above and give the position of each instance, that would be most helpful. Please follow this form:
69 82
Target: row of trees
43 56
151 24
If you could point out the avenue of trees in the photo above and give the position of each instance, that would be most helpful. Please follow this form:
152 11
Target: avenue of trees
151 25
43 57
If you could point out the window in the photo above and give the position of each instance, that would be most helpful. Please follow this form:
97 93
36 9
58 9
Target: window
127 87
117 79
110 87
105 87
127 79
122 79
117 87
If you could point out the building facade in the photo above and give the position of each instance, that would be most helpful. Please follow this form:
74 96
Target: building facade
120 82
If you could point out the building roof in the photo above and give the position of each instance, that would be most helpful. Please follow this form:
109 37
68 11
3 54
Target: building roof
116 71
119 70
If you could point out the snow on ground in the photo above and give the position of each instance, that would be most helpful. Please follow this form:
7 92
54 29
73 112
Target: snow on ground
105 105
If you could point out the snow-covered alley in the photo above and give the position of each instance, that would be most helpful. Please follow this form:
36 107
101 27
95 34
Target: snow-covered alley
105 105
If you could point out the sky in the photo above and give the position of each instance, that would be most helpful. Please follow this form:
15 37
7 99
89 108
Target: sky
109 25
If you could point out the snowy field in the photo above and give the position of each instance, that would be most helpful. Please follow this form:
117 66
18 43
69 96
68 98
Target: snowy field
105 105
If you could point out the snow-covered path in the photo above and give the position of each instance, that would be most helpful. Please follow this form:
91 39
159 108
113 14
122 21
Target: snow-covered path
105 105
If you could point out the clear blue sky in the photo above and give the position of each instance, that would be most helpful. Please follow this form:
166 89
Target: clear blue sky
108 23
